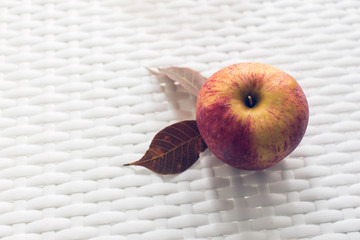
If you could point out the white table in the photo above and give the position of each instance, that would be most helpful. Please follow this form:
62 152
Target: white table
77 102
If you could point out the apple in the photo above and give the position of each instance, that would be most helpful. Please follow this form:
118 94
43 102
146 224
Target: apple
251 115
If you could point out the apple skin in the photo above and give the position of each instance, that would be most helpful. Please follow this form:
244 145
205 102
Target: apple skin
251 135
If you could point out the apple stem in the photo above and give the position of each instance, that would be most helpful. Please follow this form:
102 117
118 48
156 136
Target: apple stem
250 101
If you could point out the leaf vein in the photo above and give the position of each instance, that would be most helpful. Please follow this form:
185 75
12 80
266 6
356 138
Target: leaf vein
165 153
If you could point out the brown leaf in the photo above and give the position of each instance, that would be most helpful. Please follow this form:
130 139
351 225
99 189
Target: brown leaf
190 79
174 149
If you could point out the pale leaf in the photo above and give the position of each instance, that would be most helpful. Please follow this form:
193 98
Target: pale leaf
190 79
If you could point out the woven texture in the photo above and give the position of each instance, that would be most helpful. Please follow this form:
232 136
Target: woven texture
77 102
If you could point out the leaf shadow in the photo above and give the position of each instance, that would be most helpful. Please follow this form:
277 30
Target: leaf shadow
181 103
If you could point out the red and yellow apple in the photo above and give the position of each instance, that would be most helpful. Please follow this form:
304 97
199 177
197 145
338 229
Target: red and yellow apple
251 115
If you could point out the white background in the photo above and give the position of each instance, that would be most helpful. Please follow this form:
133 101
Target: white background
76 103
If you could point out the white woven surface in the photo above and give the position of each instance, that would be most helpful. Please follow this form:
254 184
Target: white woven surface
76 103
